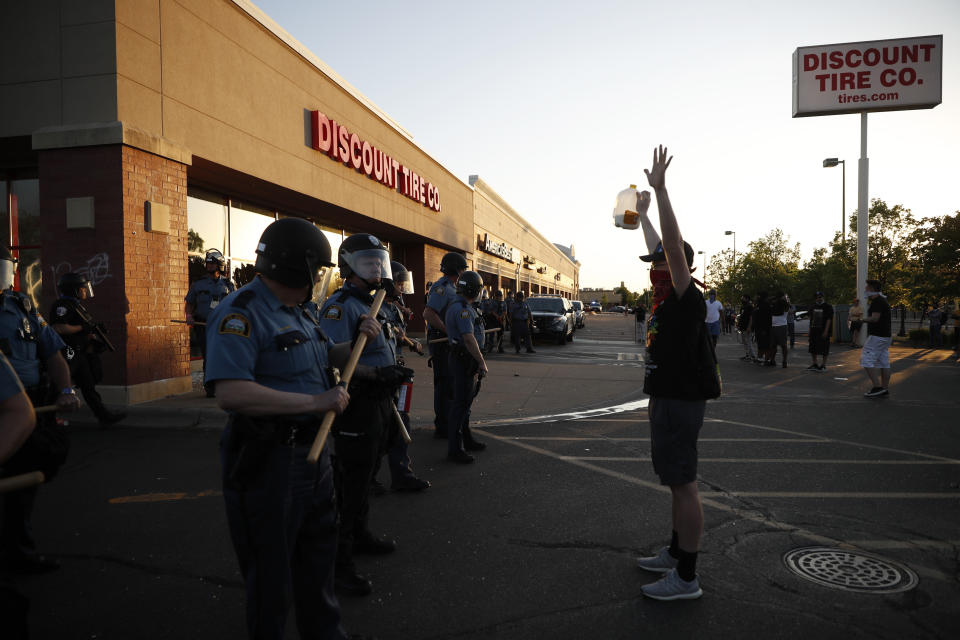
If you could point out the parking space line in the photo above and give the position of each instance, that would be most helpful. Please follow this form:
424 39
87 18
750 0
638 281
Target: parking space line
647 439
773 460
939 545
846 495
708 501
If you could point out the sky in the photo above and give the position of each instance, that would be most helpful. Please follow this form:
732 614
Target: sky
558 106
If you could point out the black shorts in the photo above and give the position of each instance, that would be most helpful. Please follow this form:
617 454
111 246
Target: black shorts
819 346
674 429
763 339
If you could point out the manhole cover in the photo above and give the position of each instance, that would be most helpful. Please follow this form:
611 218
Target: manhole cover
850 570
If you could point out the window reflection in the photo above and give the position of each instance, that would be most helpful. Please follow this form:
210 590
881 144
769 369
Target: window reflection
247 223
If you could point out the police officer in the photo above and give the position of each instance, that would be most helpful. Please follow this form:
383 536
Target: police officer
494 311
362 433
401 475
76 327
520 318
31 345
465 335
203 297
442 293
17 417
269 359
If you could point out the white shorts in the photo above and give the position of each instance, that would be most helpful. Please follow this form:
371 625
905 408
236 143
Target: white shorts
875 353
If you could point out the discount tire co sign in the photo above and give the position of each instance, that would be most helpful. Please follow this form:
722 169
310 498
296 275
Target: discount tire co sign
882 75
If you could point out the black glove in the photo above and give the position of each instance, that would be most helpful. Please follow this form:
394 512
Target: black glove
394 375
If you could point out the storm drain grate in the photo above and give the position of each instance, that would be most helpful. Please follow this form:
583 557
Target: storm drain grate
850 570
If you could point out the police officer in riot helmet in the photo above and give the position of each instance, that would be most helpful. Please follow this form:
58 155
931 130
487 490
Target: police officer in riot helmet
520 319
85 339
203 297
270 359
363 433
494 309
442 293
466 364
32 347
401 475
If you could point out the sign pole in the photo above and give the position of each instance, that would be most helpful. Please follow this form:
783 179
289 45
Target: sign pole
863 211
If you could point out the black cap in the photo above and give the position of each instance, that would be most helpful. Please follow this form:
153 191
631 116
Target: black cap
658 254
818 294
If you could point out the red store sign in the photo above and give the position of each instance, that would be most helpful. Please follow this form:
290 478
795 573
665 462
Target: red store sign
336 141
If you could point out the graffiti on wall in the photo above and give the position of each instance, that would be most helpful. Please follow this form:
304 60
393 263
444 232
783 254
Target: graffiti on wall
96 269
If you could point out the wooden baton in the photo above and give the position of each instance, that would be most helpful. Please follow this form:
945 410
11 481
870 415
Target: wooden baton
438 340
403 428
191 322
329 416
22 481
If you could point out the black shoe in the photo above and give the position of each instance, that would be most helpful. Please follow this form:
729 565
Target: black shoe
439 434
530 351
32 565
460 457
371 545
348 582
411 483
473 445
109 418
377 488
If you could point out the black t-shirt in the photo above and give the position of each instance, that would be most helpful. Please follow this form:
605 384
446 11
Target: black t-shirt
673 346
743 320
881 328
762 317
821 315
68 311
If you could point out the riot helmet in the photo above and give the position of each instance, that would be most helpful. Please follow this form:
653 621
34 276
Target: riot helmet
214 256
469 284
71 285
8 268
402 281
498 294
452 264
364 256
292 251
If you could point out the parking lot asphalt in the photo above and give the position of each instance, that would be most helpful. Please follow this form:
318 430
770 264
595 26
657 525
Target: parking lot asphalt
538 539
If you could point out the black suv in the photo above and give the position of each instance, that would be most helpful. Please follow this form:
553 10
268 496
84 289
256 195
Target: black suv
552 317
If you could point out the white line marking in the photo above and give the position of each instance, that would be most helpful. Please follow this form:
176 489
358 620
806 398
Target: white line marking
647 439
873 495
770 460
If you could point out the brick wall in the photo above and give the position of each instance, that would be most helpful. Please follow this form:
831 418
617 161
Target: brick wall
139 278
155 267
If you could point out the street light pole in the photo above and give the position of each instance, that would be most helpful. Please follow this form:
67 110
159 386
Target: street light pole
734 233
704 253
832 162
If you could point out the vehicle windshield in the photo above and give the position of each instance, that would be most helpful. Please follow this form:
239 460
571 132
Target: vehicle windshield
553 305
577 305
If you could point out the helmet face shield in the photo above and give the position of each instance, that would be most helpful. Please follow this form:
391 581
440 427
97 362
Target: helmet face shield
89 287
404 283
7 271
369 264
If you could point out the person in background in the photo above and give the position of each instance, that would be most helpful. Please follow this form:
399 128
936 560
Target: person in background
856 322
714 311
778 329
745 329
935 315
791 321
520 319
875 357
762 324
202 298
821 328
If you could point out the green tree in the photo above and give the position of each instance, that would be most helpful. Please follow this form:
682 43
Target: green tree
891 240
936 256
194 241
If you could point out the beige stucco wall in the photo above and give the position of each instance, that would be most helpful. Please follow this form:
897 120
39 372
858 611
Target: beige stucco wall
205 74
492 215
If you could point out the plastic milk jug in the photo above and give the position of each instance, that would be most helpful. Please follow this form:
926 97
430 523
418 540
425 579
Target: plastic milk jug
624 214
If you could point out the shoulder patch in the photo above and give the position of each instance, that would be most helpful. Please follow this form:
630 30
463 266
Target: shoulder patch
333 312
464 314
61 311
439 290
236 324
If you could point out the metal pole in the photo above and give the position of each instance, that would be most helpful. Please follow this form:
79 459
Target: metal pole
843 204
734 251
863 210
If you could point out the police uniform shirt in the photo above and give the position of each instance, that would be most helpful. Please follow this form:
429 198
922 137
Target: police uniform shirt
206 294
251 335
25 337
441 295
67 310
340 317
520 311
462 319
10 384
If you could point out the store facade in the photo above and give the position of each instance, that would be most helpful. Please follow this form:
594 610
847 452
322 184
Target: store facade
134 136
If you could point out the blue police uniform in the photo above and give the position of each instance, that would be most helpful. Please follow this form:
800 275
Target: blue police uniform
398 453
280 508
27 341
491 309
362 432
519 319
461 318
205 295
442 293
10 384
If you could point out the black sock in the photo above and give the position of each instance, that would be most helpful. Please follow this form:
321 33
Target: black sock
687 565
674 549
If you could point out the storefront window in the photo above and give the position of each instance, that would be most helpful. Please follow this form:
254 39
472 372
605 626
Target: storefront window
206 228
26 233
247 223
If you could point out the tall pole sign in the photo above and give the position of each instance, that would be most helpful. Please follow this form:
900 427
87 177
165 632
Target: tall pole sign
860 77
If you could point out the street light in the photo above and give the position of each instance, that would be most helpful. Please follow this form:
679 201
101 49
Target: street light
832 162
734 233
704 265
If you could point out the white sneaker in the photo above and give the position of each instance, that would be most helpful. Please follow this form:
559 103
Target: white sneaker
660 563
671 587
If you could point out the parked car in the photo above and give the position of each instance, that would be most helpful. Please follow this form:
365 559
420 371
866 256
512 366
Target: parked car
596 308
553 317
619 309
578 313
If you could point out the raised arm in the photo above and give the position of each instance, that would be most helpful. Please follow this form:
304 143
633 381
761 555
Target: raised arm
672 240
